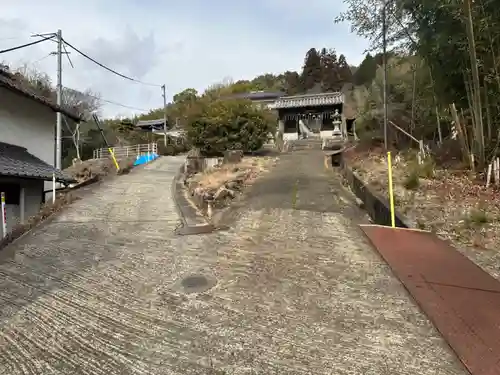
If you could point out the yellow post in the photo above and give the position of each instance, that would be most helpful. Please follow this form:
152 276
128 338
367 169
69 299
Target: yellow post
391 193
114 159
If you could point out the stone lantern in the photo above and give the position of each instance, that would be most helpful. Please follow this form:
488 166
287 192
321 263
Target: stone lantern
337 122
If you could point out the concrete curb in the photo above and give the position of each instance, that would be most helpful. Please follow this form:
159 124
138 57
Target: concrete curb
191 221
176 196
376 206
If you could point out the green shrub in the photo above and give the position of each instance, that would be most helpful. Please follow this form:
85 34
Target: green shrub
412 181
427 168
477 217
418 171
222 125
172 147
180 148
167 150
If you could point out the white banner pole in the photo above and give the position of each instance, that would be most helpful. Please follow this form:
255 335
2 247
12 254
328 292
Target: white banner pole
4 216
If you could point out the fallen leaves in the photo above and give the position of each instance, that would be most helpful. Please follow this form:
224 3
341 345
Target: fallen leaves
454 204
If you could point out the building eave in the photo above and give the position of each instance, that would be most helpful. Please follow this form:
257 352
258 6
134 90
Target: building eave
10 85
309 100
17 161
64 180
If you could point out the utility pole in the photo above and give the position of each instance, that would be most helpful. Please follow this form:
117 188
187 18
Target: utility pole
164 115
58 155
384 62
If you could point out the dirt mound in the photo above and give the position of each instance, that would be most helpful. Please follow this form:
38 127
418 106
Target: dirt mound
97 168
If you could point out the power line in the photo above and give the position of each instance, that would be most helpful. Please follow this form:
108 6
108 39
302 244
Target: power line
109 69
112 102
41 59
24 45
67 56
124 106
51 38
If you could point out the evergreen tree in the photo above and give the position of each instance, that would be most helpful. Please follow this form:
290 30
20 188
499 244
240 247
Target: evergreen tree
365 74
293 83
330 70
345 70
335 70
312 71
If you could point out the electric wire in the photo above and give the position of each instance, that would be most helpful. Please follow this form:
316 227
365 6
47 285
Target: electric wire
65 43
111 102
24 45
109 69
67 56
41 59
123 105
51 38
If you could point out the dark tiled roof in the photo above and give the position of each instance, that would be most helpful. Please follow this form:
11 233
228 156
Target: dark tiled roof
309 100
17 161
259 95
9 81
148 123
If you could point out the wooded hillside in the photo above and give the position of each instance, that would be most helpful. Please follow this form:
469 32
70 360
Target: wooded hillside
448 54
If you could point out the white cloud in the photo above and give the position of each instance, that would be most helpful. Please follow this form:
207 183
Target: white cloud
181 44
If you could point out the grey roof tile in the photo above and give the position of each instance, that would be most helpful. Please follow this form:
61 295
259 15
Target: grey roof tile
17 161
309 100
258 95
145 123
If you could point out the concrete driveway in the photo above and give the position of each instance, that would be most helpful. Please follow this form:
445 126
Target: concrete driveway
292 288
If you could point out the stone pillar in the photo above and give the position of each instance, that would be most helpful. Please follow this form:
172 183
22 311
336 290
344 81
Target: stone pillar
281 126
344 126
278 141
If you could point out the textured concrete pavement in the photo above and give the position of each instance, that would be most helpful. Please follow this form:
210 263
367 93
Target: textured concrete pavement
79 295
292 288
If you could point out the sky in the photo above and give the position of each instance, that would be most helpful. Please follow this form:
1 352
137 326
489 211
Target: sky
182 44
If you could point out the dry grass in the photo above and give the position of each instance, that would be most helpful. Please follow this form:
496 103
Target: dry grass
245 171
451 203
85 170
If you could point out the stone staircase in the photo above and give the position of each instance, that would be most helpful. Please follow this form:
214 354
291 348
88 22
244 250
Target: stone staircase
313 143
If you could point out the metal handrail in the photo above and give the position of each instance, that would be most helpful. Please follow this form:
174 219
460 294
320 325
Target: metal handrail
128 151
422 148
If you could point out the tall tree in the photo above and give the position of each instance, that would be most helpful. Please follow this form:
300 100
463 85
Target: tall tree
344 70
312 70
330 73
457 42
293 83
186 96
335 70
366 71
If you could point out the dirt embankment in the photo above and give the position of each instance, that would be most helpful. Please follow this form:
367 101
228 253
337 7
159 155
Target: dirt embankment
451 203
96 169
219 185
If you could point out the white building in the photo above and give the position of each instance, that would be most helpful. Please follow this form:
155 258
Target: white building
27 148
